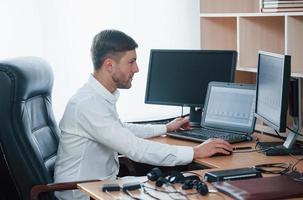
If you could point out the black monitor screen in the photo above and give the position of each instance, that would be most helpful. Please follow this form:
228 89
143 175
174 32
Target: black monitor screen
272 89
181 77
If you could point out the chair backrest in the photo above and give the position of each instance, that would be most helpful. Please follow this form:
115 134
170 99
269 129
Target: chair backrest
29 134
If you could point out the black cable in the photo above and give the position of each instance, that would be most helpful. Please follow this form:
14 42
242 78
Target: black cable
149 194
264 150
182 194
169 192
182 111
131 196
274 168
261 150
296 163
155 189
247 151
278 134
295 132
294 157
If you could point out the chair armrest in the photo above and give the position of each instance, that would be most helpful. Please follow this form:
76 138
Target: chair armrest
37 189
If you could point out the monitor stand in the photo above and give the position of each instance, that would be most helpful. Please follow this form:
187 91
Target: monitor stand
278 149
195 116
286 148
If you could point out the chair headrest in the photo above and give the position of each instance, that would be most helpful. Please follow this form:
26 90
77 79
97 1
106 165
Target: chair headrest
30 76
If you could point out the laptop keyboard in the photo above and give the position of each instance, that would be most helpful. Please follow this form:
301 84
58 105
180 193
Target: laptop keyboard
204 134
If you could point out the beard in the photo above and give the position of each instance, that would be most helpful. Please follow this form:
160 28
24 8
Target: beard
123 84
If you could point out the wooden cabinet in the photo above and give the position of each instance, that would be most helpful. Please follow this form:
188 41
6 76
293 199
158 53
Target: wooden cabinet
240 25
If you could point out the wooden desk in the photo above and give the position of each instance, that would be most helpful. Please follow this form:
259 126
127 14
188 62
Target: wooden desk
236 160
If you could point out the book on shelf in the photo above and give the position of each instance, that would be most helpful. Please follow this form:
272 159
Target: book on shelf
281 2
297 5
282 9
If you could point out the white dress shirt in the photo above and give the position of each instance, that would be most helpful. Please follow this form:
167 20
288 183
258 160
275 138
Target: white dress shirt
92 135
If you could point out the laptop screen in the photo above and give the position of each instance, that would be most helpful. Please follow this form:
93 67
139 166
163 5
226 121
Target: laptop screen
230 106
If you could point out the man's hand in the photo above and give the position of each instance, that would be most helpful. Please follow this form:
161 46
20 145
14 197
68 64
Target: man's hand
211 147
178 124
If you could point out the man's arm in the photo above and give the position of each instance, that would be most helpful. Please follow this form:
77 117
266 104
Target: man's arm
148 130
107 130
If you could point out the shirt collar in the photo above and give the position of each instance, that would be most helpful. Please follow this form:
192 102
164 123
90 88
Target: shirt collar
102 91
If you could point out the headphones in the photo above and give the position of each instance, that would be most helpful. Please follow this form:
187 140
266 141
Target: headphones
189 182
199 185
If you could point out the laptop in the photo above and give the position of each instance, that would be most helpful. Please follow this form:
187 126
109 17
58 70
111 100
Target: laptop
228 114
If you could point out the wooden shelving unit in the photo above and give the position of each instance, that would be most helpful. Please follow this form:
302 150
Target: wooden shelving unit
240 25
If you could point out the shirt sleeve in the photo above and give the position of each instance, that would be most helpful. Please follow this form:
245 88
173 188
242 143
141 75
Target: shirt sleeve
109 131
145 130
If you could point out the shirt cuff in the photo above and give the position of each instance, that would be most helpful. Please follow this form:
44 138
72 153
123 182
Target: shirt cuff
160 129
185 155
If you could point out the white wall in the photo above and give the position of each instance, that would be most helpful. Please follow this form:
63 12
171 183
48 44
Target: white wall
61 32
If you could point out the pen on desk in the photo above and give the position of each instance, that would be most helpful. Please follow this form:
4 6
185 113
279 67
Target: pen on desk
241 148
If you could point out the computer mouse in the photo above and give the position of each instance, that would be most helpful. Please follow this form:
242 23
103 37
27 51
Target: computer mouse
222 154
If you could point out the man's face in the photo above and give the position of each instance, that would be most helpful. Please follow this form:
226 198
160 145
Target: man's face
124 70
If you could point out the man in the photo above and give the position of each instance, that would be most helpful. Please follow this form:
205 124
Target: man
92 134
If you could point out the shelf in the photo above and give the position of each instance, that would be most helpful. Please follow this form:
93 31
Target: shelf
223 32
223 6
247 69
260 33
254 70
295 43
250 14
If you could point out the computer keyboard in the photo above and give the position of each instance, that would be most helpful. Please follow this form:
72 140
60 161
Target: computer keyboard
204 134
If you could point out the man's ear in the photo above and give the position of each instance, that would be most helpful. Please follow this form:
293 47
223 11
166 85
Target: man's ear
108 64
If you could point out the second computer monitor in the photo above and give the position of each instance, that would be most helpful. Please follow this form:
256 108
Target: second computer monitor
181 77
273 89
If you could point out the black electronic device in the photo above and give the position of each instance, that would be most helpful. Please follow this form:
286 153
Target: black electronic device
162 181
273 91
232 174
170 177
110 187
222 154
181 77
202 188
154 174
131 186
199 185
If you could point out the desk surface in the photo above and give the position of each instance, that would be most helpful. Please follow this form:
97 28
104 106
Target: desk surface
93 189
236 160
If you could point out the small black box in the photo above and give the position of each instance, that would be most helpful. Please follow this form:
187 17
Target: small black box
232 174
110 187
131 186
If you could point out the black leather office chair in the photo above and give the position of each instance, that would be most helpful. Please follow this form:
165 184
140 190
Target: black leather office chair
28 134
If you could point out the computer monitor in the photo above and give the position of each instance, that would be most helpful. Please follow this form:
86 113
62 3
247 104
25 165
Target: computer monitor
273 81
273 89
181 77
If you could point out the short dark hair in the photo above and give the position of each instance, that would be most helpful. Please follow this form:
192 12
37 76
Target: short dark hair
110 43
